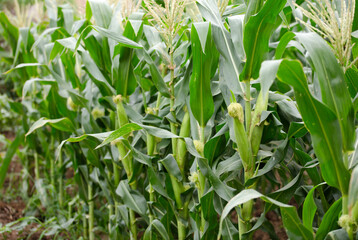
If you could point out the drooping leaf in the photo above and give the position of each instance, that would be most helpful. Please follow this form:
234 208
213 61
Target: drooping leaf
172 167
117 37
224 191
133 199
123 131
62 124
156 183
97 76
160 229
321 122
333 86
29 83
242 197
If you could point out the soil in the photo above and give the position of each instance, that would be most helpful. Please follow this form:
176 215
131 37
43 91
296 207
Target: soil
13 210
274 219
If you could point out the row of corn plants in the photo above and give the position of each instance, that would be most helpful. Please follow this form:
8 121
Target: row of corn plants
186 119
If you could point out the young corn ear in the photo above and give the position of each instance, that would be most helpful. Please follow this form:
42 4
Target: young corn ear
199 147
236 111
121 112
182 151
256 127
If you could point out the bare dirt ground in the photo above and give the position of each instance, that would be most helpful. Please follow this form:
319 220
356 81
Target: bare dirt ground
13 210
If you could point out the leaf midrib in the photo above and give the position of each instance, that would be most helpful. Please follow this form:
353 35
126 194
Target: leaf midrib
320 125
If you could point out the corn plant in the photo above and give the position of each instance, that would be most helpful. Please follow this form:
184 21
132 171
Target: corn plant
187 119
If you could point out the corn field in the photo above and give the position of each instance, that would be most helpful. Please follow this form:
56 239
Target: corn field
179 119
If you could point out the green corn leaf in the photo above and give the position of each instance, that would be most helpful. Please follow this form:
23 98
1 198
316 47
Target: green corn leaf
62 124
330 219
353 195
117 37
230 63
28 84
161 229
11 32
257 34
245 196
204 54
309 209
351 75
43 34
297 130
14 146
149 233
65 43
156 182
339 234
237 23
277 157
156 76
254 6
285 39
224 191
304 158
321 122
172 167
97 76
133 199
130 127
26 65
123 131
231 164
214 147
102 12
127 82
295 229
333 86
